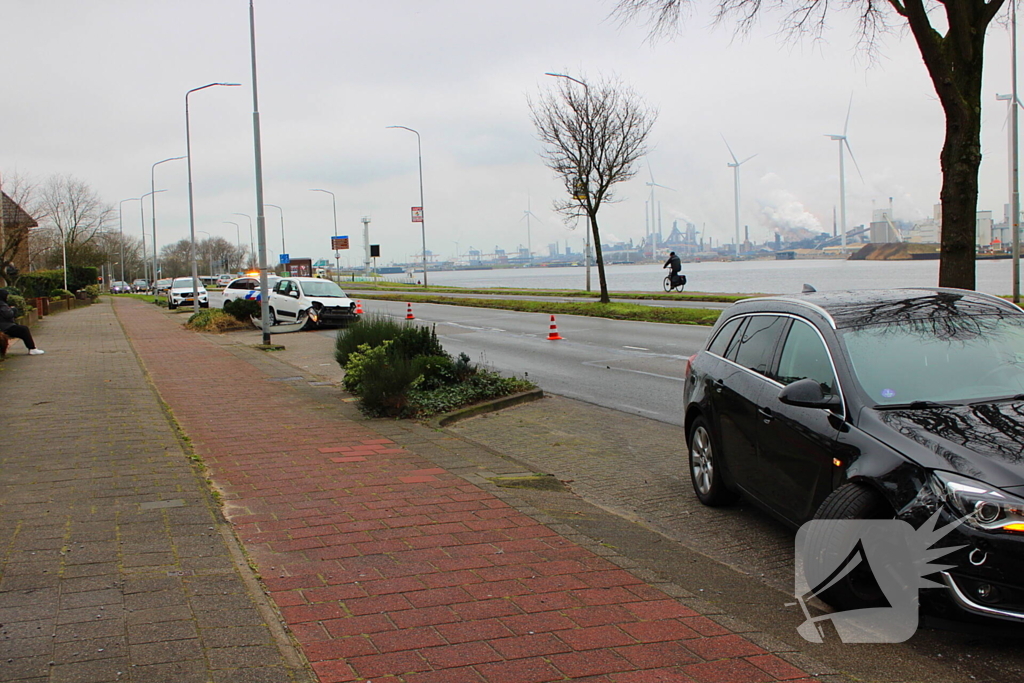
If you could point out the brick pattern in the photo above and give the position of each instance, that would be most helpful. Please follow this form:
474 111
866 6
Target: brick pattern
388 568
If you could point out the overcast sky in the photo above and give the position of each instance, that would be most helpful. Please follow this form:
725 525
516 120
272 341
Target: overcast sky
96 90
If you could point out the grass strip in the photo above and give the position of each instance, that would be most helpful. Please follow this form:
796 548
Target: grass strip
615 311
685 296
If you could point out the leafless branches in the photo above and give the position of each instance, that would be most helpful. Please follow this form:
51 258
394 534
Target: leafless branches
593 136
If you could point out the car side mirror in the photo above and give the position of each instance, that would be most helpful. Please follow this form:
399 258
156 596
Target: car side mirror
294 294
807 393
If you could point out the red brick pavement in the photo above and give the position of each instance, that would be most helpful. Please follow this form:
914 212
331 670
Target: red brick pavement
388 568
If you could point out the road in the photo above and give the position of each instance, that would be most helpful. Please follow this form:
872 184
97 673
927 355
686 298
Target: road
629 366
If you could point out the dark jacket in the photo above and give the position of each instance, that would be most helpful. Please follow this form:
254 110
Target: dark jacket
7 313
673 263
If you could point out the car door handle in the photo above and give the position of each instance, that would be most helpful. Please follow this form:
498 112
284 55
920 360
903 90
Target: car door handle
766 414
719 385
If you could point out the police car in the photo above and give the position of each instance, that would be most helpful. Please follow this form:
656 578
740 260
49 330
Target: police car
246 288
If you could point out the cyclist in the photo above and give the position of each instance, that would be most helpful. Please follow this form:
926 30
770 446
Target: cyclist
675 266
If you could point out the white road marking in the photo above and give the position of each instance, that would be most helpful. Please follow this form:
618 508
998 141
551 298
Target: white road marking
636 348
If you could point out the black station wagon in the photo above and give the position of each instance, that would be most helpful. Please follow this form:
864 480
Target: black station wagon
873 405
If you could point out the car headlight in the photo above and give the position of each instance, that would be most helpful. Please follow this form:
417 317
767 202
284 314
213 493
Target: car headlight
983 506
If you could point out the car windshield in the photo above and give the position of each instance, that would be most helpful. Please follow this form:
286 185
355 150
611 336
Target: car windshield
180 282
942 359
322 288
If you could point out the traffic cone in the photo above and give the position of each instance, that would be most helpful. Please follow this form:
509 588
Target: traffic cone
408 313
553 334
359 307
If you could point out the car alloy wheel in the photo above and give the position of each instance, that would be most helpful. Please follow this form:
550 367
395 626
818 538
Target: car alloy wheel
704 467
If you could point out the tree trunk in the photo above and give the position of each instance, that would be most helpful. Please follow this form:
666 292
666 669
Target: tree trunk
961 160
600 258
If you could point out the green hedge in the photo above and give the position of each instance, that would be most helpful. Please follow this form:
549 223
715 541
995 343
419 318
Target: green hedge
42 282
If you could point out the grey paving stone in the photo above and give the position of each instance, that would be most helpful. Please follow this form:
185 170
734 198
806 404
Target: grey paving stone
243 656
166 631
248 675
163 652
174 672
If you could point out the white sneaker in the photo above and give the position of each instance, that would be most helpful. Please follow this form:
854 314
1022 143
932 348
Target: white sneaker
36 352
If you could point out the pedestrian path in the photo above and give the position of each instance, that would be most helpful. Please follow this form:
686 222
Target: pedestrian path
388 567
115 563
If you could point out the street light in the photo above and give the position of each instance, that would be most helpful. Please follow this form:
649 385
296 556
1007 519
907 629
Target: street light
252 245
120 229
142 217
238 235
191 205
586 249
283 250
423 228
152 192
334 206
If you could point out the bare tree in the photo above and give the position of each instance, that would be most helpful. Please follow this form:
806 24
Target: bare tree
74 209
954 62
18 215
593 137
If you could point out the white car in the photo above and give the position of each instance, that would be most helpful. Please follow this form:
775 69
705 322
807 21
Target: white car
224 280
181 293
246 288
323 302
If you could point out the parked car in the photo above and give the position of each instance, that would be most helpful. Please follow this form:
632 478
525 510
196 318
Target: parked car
886 404
246 288
322 301
140 285
120 287
182 293
225 279
161 286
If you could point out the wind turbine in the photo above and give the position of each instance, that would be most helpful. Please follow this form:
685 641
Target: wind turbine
842 171
527 214
652 231
735 166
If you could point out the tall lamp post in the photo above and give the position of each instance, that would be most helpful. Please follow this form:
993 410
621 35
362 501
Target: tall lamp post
283 250
152 212
423 228
191 203
590 227
238 235
142 217
120 228
334 206
252 245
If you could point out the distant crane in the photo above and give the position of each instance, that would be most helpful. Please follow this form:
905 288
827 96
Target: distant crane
842 171
735 166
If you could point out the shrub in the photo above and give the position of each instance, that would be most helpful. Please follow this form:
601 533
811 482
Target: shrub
481 386
40 282
61 294
363 361
385 390
242 309
92 291
372 330
434 372
18 303
414 340
213 320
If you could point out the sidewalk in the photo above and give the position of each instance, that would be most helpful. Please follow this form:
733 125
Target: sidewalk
383 561
115 563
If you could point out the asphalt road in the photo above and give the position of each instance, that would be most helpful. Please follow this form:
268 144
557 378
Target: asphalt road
629 366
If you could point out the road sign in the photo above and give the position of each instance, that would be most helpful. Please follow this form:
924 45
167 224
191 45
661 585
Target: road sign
374 250
284 259
417 214
339 242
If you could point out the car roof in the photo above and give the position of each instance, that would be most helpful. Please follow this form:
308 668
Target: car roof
855 308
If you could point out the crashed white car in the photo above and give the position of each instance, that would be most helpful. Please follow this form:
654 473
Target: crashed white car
321 302
182 293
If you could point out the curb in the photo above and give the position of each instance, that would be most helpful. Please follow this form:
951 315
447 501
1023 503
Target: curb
486 407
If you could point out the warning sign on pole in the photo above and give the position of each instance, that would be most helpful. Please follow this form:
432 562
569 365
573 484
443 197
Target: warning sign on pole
339 242
417 214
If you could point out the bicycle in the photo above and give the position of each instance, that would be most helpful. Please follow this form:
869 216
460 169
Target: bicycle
678 287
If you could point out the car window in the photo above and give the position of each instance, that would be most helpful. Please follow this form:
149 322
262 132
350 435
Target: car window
721 341
804 356
757 342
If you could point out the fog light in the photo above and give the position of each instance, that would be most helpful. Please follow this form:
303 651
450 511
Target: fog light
985 591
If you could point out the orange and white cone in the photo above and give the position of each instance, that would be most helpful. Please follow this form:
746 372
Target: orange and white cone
359 307
408 313
553 334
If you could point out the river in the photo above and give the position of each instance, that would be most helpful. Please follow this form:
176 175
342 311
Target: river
769 277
